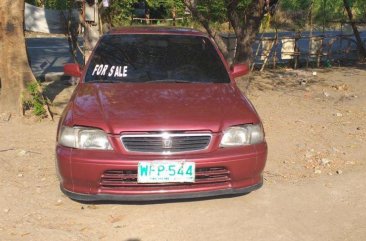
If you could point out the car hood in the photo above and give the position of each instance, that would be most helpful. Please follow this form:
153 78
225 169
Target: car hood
143 107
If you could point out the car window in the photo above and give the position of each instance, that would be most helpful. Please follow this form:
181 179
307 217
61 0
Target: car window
156 58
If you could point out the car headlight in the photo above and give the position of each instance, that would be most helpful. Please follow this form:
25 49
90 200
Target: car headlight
242 135
84 138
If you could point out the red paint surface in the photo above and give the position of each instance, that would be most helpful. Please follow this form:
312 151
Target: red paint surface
155 107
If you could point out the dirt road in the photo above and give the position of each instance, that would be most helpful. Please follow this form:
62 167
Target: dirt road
314 179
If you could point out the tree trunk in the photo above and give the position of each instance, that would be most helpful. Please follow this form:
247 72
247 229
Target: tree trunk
15 72
91 31
246 26
72 32
206 24
360 45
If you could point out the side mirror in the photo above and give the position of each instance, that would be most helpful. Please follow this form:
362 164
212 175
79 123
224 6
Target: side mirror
72 70
239 70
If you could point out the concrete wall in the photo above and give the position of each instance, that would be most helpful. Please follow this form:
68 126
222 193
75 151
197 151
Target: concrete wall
46 20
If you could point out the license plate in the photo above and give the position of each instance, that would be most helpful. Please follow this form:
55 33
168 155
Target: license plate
165 171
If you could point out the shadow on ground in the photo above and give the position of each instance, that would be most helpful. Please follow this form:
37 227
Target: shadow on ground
58 92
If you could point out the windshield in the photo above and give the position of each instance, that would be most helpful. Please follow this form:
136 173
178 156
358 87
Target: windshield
141 58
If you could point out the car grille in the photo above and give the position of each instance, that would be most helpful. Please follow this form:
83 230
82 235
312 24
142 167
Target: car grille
128 179
166 142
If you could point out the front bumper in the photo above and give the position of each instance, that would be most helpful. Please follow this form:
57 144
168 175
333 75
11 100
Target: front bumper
81 171
157 197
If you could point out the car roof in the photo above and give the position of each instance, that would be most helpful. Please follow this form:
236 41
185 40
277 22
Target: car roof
156 30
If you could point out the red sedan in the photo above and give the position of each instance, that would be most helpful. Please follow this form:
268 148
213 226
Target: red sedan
157 115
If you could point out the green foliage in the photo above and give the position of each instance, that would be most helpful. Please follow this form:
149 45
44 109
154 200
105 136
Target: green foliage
119 12
51 4
37 3
169 6
216 10
35 100
324 11
56 4
213 10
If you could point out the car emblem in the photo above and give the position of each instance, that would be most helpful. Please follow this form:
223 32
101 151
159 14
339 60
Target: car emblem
167 143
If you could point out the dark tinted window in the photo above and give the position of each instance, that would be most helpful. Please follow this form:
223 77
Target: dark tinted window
146 57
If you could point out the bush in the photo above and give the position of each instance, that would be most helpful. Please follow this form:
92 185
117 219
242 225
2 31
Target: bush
34 100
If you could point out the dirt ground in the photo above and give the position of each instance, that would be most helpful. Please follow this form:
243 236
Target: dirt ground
314 179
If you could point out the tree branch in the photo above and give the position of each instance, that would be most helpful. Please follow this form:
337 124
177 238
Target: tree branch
206 24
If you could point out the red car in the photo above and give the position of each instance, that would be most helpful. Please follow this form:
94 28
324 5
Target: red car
157 115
